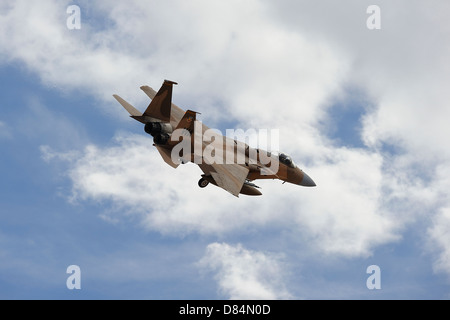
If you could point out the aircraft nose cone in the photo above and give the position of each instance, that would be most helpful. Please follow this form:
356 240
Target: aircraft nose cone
307 181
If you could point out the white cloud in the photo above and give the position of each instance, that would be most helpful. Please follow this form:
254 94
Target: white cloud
280 79
440 239
132 176
244 274
273 66
341 216
36 35
403 69
346 211
439 230
236 45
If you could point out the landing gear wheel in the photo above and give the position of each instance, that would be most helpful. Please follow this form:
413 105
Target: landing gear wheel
202 183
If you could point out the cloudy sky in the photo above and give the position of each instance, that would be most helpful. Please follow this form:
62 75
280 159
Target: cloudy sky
363 111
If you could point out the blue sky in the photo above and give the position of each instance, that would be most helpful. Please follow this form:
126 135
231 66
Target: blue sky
362 112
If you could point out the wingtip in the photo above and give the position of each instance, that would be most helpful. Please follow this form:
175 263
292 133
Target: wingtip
170 82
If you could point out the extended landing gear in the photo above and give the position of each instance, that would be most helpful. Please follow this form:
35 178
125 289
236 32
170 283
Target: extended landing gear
202 183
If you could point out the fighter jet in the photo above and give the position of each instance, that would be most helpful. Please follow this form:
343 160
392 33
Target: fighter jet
227 163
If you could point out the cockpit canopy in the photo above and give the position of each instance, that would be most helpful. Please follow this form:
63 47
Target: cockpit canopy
287 160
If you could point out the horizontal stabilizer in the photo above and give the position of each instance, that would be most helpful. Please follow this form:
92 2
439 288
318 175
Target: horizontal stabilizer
131 110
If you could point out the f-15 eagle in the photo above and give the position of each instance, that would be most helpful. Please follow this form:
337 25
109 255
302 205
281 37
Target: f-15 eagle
225 162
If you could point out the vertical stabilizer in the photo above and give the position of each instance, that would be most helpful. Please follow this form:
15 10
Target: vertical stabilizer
161 105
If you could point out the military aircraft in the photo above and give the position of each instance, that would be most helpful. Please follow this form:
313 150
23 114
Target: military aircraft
172 127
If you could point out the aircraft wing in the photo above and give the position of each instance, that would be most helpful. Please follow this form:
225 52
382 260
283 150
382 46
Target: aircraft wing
230 177
165 154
